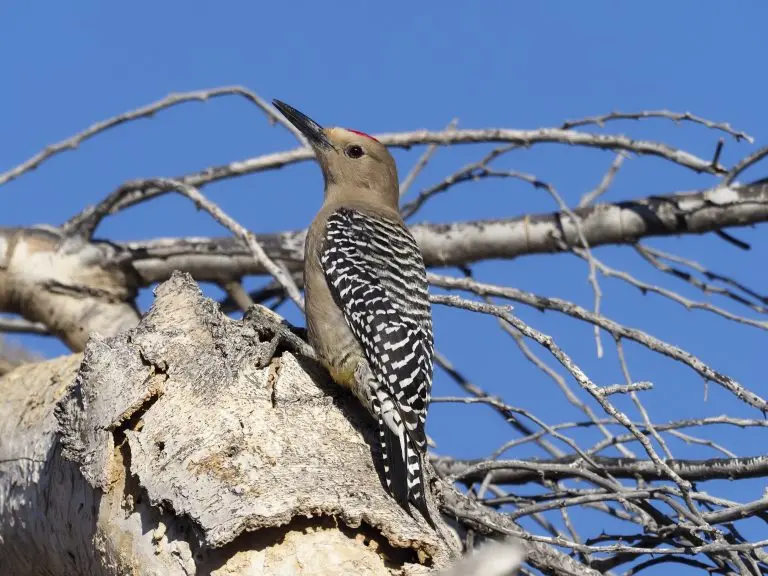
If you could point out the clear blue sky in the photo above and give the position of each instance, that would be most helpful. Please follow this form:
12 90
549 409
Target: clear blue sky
399 66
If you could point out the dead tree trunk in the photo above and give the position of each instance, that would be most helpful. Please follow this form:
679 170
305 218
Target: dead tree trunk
189 445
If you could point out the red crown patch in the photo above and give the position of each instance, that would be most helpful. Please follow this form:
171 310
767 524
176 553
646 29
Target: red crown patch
362 134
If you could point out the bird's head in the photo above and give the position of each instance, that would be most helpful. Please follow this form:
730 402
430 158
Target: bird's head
354 164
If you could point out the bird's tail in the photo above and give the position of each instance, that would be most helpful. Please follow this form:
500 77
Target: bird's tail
401 456
416 479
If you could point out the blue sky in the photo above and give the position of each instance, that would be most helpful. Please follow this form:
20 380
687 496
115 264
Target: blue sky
400 66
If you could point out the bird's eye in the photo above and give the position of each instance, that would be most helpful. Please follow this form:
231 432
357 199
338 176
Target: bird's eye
354 151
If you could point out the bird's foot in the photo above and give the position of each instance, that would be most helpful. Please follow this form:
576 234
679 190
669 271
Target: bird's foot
277 333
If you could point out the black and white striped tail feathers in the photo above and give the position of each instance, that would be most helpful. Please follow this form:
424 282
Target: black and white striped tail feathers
401 456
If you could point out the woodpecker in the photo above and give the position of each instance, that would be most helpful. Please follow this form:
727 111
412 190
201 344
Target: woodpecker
367 308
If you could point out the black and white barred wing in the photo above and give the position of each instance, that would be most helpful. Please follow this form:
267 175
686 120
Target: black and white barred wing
376 274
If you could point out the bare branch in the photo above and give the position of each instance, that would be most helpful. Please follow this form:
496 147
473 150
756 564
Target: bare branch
445 138
278 272
212 259
501 406
644 287
737 512
422 162
605 183
531 356
22 326
689 439
481 517
687 423
85 223
548 560
238 295
72 286
625 388
471 172
548 343
617 441
511 472
668 114
653 256
614 328
753 158
643 412
145 112
551 135
461 243
592 276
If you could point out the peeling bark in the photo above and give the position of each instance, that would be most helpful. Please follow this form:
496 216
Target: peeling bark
184 447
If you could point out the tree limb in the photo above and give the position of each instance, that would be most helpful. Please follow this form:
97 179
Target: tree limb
72 286
691 470
462 243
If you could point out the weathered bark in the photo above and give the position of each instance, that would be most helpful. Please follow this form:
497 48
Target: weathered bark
189 445
72 286
41 495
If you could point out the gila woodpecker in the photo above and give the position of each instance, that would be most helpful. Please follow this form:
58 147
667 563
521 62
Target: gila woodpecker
367 308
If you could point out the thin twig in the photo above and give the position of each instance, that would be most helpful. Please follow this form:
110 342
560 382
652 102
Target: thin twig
552 432
605 183
718 151
640 408
670 427
561 383
548 343
614 328
743 165
500 524
688 439
471 172
279 273
653 255
703 270
592 275
145 112
625 388
559 380
677 424
422 162
644 287
731 239
480 395
674 116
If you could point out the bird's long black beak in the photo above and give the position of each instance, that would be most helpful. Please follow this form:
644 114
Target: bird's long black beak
311 129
